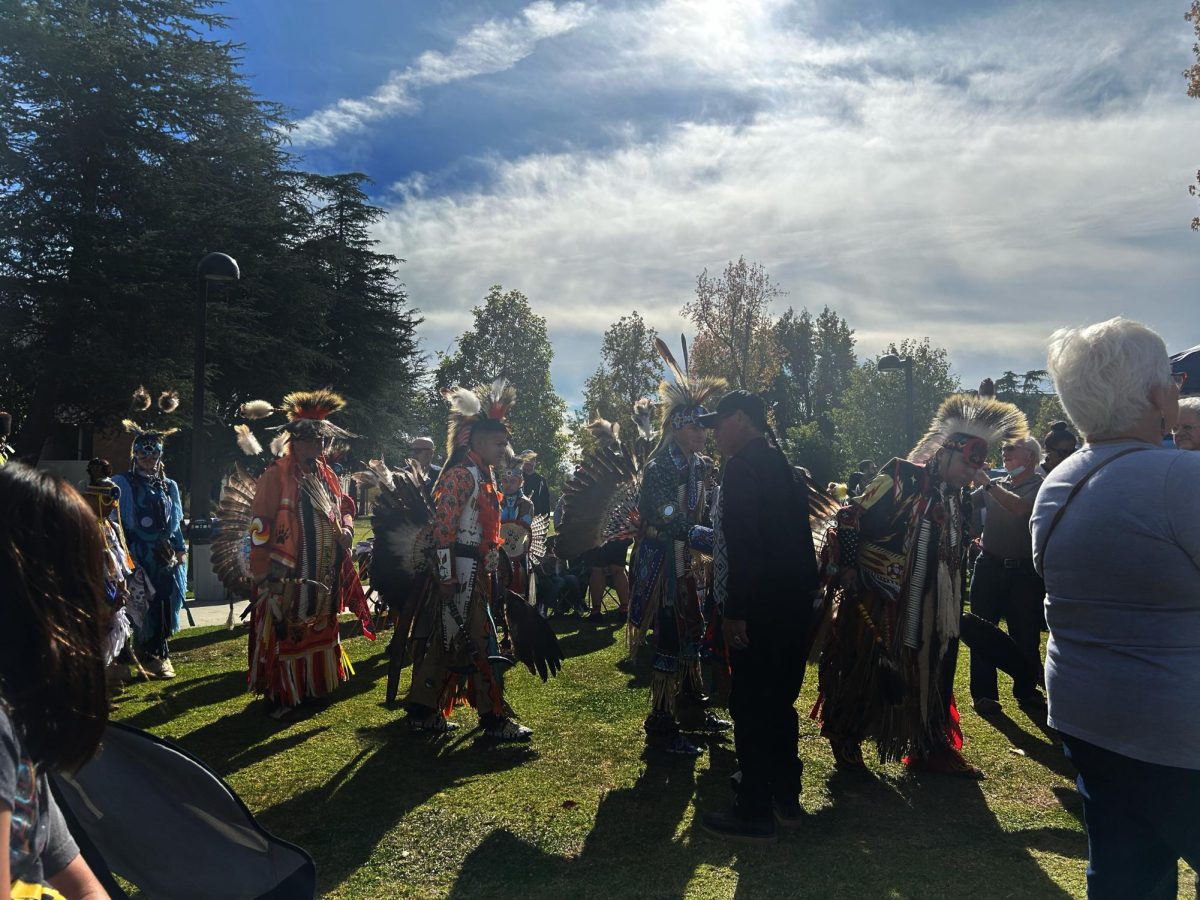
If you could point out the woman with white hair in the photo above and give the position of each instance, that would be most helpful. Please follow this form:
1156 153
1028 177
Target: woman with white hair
1187 430
1117 539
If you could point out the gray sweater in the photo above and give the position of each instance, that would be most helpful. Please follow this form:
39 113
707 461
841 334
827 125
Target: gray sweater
1122 573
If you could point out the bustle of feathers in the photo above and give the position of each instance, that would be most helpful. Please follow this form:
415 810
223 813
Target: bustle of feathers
318 404
246 440
643 418
255 409
140 401
168 401
230 558
279 444
606 432
983 417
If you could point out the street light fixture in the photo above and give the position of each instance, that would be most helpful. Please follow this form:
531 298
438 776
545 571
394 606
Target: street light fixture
213 267
892 362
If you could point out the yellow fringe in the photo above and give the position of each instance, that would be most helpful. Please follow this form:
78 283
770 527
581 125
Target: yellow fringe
346 660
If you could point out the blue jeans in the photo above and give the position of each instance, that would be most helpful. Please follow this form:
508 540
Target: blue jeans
1141 818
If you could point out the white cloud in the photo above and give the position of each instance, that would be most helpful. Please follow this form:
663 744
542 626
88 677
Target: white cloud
491 47
981 185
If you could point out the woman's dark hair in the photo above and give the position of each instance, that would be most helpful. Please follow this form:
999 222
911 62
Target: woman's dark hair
51 591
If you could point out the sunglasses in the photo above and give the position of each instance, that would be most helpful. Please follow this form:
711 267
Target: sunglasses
1180 378
148 451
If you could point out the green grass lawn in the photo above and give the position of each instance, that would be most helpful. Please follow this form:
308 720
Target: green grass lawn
580 813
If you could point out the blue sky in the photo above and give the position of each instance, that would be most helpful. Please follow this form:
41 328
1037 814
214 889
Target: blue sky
979 173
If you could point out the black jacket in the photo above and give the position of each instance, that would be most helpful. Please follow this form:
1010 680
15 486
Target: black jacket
764 517
537 491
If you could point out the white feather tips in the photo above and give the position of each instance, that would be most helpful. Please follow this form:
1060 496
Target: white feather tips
246 440
256 409
462 401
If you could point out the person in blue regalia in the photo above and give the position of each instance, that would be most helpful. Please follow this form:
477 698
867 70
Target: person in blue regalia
152 515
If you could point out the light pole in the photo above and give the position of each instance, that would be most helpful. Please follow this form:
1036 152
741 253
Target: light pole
891 362
214 267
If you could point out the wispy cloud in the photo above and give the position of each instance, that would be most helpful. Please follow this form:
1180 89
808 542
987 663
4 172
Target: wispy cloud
493 46
981 184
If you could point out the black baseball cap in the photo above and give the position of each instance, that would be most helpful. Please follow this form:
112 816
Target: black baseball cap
737 401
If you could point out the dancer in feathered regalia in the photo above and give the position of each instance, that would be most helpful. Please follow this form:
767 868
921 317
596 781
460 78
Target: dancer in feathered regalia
456 653
667 574
301 529
894 562
152 516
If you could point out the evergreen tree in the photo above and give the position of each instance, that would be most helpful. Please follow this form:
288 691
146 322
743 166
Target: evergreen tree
366 341
130 147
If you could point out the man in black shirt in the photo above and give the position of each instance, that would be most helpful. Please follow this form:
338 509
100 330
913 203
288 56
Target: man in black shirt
766 577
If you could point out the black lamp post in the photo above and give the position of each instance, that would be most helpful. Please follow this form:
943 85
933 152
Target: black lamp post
214 267
890 362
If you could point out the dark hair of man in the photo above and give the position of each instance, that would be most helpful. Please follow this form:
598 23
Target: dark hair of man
51 591
1060 435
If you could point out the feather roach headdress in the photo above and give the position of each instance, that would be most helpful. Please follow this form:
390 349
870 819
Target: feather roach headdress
973 424
468 407
684 396
307 414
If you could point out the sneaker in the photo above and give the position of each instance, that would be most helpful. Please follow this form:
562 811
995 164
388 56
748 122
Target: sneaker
986 706
789 814
158 667
735 828
509 731
681 746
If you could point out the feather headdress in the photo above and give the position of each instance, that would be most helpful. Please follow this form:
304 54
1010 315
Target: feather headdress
973 424
683 397
307 414
147 439
468 407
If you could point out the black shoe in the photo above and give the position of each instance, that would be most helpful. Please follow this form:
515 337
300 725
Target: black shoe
735 828
987 706
788 814
1035 702
710 724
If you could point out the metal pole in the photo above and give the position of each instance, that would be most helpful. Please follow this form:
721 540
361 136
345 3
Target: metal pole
199 502
908 397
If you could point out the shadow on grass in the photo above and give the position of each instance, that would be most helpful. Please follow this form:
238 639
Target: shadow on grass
188 641
646 815
1047 753
880 836
342 821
